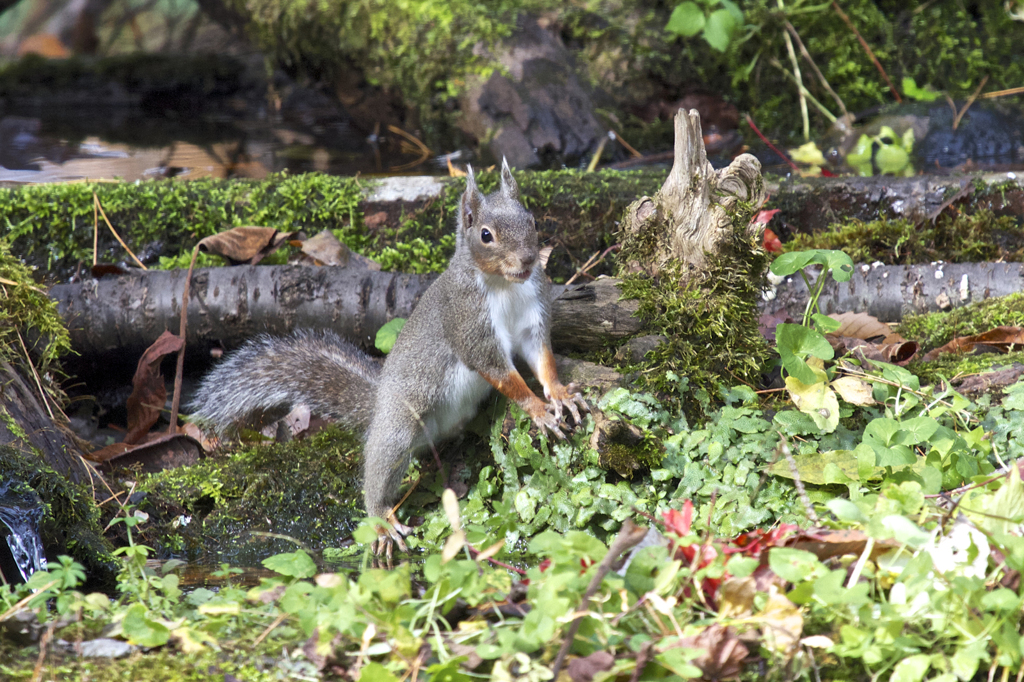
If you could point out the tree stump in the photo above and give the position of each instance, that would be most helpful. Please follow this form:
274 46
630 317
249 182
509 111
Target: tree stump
693 214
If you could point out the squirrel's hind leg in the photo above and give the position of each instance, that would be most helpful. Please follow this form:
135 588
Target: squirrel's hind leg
390 441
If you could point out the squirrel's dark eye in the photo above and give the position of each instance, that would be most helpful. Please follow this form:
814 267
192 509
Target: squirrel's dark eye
485 236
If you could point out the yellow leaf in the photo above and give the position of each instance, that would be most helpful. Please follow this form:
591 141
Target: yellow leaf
853 390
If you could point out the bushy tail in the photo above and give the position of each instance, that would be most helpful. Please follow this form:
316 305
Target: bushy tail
270 375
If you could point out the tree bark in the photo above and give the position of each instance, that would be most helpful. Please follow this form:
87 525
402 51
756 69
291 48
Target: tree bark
889 292
57 447
123 315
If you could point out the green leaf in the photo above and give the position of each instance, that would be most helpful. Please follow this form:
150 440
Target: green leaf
794 565
720 27
802 342
687 20
375 672
911 669
911 90
296 564
677 661
825 324
917 430
837 262
142 630
388 334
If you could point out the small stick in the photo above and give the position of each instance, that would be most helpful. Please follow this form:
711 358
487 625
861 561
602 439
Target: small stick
179 370
821 77
630 536
799 80
867 48
628 146
970 101
270 628
750 122
597 154
98 205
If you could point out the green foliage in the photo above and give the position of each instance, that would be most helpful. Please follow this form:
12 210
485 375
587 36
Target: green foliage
28 318
967 237
717 26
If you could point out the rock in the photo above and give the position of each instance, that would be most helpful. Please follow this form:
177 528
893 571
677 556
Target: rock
104 647
540 113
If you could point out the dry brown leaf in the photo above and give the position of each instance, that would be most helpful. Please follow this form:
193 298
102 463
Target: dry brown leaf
826 544
162 451
781 624
997 340
584 669
853 390
248 244
987 381
326 249
149 393
863 326
722 652
736 597
900 353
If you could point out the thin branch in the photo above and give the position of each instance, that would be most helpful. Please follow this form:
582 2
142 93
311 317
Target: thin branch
867 48
821 77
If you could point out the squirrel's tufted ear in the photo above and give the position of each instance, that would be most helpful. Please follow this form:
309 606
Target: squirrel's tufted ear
469 206
508 184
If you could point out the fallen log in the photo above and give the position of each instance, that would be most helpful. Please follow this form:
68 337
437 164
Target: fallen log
889 292
123 315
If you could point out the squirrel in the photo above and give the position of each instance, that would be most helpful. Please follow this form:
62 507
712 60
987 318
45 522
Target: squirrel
491 303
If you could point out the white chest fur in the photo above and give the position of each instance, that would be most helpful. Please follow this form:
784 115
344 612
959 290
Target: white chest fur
516 315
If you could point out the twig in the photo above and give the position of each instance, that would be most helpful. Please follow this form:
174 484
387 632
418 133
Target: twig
44 641
797 77
500 564
597 154
417 143
867 48
588 265
630 536
35 375
12 283
98 205
179 371
750 122
628 146
821 77
270 628
970 101
1003 93
788 454
814 100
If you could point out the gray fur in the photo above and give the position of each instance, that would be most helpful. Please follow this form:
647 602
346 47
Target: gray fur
269 375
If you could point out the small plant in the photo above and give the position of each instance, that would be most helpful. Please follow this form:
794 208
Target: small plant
718 21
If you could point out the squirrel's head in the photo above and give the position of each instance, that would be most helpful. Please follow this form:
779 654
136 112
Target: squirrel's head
499 233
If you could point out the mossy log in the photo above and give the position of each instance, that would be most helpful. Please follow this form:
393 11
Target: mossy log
121 316
25 422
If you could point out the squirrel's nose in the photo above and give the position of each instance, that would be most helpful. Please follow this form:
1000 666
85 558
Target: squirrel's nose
528 257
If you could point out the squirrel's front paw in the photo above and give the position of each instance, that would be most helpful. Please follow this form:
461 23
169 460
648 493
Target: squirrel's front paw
570 398
545 420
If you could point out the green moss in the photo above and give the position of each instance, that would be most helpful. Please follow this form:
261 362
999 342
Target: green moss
952 365
71 520
962 238
712 339
165 664
28 316
307 490
932 330
51 226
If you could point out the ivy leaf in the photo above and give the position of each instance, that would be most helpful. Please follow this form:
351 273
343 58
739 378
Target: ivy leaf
837 262
296 564
721 26
816 400
142 630
687 20
794 565
388 334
